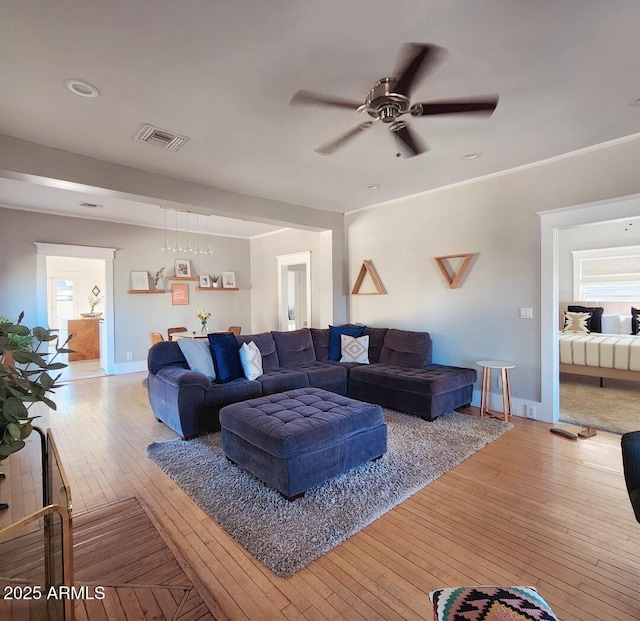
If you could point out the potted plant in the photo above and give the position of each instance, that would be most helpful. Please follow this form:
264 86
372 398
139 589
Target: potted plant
24 380
94 300
158 275
215 280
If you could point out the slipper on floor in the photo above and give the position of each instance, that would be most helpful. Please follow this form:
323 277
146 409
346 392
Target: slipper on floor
587 432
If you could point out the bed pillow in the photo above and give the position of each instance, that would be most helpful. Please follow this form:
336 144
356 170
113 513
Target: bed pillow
334 338
354 348
635 323
226 358
625 324
596 315
611 324
576 323
251 360
198 356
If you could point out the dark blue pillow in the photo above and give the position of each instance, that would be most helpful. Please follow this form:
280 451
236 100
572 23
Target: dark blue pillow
335 347
226 356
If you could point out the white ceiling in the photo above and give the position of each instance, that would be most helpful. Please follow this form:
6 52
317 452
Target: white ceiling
223 75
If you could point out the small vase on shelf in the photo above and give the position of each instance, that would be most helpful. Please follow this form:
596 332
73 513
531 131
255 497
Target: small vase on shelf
203 328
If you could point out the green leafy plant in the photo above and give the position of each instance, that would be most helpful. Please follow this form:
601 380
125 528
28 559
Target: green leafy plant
158 275
25 341
215 277
24 380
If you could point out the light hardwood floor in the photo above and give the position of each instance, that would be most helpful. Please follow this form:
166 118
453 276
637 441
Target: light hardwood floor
532 508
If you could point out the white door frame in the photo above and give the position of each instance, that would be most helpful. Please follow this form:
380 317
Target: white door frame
550 221
43 250
284 261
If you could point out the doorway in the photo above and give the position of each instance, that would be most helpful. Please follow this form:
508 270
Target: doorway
550 223
294 291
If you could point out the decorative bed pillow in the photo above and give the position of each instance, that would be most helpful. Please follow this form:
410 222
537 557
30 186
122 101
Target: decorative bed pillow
226 359
611 324
635 322
251 360
577 323
626 322
596 315
354 348
198 356
334 338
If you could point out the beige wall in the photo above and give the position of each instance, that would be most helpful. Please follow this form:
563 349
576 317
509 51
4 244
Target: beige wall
264 276
495 218
138 248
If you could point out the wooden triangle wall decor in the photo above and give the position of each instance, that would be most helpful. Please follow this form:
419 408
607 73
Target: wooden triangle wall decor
451 278
367 268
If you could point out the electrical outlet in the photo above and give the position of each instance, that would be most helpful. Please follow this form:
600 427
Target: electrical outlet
531 411
129 355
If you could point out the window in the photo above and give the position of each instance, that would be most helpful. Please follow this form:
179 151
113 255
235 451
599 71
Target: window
606 274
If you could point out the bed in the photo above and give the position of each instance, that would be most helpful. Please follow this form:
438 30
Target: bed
614 353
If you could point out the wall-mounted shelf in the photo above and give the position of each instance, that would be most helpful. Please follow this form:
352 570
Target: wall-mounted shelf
367 268
146 291
184 278
452 278
217 289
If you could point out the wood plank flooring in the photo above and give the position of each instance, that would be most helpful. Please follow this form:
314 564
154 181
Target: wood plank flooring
532 508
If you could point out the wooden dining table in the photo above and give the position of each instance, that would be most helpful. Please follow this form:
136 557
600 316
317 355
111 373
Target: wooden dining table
194 335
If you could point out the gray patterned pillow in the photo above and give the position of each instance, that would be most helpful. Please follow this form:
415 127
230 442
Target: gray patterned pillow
354 349
576 323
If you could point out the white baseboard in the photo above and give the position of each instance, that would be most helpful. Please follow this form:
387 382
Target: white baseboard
136 366
519 407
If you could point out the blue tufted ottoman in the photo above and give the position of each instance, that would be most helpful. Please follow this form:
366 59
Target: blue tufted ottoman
301 438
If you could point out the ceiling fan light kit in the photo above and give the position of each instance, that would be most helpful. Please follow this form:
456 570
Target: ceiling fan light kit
390 98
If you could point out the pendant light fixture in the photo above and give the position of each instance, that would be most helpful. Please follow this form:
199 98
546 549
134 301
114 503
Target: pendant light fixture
176 247
166 247
187 247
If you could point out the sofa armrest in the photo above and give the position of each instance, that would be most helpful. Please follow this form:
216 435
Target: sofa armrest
183 377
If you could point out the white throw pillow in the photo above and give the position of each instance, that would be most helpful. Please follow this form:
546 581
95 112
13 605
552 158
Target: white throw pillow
611 324
354 349
625 324
251 360
576 323
198 356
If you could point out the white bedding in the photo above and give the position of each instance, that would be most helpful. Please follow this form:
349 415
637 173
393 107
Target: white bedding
610 351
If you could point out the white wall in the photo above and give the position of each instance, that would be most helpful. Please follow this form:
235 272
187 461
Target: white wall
589 237
495 218
138 248
264 276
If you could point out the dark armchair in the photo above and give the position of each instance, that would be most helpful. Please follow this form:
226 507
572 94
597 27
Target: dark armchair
631 465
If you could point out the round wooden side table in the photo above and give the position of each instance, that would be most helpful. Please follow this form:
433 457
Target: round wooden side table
504 367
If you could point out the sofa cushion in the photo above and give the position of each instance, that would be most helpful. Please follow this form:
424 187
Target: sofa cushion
267 347
334 338
165 354
226 357
327 375
251 360
231 392
406 349
294 348
430 380
354 349
595 323
198 356
281 379
320 339
376 342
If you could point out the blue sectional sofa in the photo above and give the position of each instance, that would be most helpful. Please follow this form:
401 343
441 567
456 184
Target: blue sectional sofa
401 375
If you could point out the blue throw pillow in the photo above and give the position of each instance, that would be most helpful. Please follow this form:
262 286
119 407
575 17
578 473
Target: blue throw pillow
335 348
198 356
226 357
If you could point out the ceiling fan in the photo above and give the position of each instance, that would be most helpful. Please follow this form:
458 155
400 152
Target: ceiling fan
390 99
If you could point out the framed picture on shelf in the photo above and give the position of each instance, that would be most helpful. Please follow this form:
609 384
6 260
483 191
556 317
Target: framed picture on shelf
183 268
205 280
228 280
139 281
179 294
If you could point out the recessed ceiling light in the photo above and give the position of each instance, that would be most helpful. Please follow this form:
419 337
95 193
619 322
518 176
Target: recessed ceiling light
470 156
82 88
635 101
373 186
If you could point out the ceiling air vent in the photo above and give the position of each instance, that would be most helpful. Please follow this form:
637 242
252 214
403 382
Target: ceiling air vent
160 138
91 205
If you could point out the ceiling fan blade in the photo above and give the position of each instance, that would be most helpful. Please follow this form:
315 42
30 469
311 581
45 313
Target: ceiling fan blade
413 144
318 99
474 105
329 147
415 60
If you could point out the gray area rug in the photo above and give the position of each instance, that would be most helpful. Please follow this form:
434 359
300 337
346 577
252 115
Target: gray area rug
286 536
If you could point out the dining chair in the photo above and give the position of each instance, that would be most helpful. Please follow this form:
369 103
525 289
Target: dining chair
234 329
170 331
155 337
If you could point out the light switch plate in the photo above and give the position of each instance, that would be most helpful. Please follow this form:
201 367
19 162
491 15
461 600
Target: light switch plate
526 313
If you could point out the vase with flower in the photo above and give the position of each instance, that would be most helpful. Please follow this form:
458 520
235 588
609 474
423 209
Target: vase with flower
203 316
94 300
